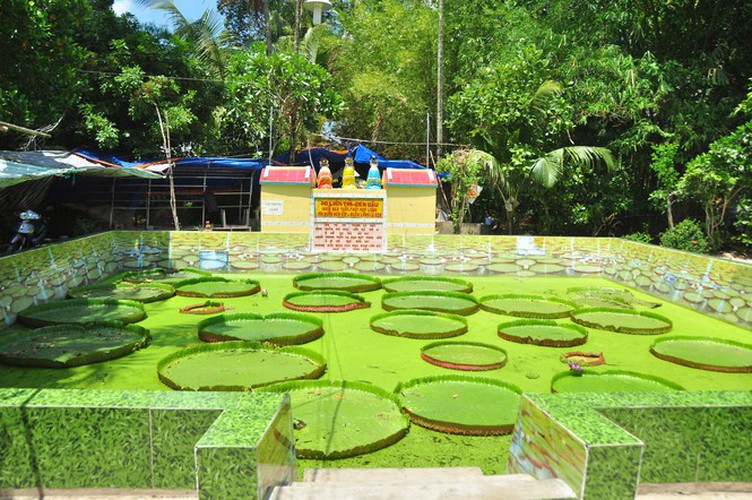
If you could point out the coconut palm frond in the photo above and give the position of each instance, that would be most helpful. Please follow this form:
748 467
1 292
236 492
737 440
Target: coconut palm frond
207 35
547 169
545 93
491 167
590 156
177 19
312 41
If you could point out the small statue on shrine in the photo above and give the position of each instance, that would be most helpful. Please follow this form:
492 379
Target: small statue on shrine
325 175
348 174
374 176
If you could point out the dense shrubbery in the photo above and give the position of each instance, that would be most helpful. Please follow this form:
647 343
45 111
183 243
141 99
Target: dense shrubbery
640 236
686 235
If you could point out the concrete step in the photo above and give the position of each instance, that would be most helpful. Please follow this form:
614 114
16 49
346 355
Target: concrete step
481 489
391 475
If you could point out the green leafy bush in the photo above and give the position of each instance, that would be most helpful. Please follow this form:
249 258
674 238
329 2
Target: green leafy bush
686 235
640 236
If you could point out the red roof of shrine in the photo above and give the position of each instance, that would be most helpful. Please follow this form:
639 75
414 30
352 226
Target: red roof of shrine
288 175
410 178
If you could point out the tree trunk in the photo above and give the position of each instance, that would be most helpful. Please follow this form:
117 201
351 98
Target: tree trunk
164 128
510 206
440 84
670 209
267 28
293 135
298 12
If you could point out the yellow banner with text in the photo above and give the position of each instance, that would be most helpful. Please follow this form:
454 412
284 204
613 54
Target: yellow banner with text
359 208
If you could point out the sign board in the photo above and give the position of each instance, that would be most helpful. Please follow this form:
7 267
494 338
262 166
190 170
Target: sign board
360 208
273 207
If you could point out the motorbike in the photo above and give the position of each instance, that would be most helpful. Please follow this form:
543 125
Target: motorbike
31 232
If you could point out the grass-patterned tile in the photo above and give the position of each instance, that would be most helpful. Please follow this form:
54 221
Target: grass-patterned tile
16 458
227 473
94 447
174 435
612 472
724 445
671 437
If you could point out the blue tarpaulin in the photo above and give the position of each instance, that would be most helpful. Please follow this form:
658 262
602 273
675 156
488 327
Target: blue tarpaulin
360 154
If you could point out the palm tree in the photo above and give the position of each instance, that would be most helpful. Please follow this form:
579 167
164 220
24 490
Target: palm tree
209 39
513 163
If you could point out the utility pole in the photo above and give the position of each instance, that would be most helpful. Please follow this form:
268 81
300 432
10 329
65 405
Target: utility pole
440 83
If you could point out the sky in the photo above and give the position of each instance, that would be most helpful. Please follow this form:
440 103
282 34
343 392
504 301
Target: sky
192 9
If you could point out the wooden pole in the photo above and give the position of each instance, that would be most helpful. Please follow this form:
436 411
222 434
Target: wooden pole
4 127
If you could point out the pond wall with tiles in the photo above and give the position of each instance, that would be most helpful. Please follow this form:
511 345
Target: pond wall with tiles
717 287
604 444
225 445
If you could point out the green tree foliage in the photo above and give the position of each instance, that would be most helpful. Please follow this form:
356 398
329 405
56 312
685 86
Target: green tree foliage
466 169
717 178
246 19
297 92
507 112
664 165
385 67
40 80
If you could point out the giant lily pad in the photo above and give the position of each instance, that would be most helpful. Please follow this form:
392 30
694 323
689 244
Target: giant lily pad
705 353
468 356
82 311
144 292
342 419
348 282
459 404
275 328
527 306
622 320
236 366
64 346
419 324
446 302
325 301
216 287
427 284
611 381
543 333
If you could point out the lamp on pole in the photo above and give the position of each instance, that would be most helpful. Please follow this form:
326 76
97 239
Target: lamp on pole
318 7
